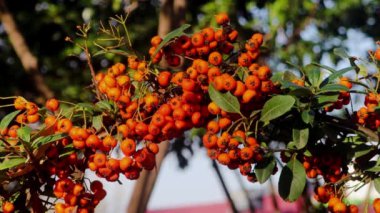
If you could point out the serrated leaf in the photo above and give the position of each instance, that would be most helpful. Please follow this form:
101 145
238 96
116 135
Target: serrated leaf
226 101
276 106
9 163
48 139
292 180
341 52
24 133
8 119
97 122
264 169
300 137
175 33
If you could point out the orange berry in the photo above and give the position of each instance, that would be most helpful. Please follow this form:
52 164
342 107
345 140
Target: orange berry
248 95
224 159
213 127
164 78
64 125
93 141
208 34
153 147
340 208
244 60
100 159
52 104
252 82
33 118
155 41
20 103
377 54
8 207
197 40
215 58
31 108
222 18
125 163
239 89
128 146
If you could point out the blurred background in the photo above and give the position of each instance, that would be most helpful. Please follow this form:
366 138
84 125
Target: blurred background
36 62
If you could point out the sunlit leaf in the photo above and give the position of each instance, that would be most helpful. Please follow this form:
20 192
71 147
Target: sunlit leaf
226 101
276 106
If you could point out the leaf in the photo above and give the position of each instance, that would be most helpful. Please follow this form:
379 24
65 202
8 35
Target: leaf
313 74
376 182
114 51
24 133
301 92
336 75
292 180
9 163
276 106
341 52
8 119
264 169
104 105
300 137
333 88
324 67
325 99
175 33
47 139
97 122
307 116
87 106
226 101
289 76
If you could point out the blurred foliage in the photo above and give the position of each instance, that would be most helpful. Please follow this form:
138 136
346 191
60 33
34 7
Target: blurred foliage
298 32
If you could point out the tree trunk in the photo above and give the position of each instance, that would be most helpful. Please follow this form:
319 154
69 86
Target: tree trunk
28 60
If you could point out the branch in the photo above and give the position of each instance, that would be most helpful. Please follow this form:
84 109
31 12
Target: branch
372 135
28 60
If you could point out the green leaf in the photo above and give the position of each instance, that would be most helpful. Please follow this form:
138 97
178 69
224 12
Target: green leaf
292 180
313 74
8 119
336 75
341 52
9 163
48 139
105 105
333 88
24 133
326 99
226 101
307 116
376 182
97 122
301 92
276 106
289 76
242 73
113 51
264 169
300 137
324 67
175 33
197 132
87 106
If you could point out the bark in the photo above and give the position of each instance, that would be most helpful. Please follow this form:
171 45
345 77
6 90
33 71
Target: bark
28 60
171 16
